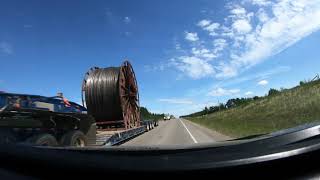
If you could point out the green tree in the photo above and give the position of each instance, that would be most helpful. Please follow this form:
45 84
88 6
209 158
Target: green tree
273 92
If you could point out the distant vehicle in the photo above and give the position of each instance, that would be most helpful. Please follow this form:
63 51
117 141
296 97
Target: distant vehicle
167 117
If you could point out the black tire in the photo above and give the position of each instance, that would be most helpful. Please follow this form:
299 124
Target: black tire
74 138
42 140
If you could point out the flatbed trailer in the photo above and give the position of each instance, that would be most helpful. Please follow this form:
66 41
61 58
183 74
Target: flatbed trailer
109 114
41 119
115 136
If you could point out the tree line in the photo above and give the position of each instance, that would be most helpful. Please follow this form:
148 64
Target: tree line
231 103
146 115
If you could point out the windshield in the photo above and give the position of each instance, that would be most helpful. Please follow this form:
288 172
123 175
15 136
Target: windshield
142 73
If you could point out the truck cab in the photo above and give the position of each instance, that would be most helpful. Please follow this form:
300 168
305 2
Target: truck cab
40 120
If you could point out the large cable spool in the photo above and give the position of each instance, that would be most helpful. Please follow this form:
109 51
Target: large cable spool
111 96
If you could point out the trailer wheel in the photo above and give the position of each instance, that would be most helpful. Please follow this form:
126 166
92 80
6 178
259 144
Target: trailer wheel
74 138
43 140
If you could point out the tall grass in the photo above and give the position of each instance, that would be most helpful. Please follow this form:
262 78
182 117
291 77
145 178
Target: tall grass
289 108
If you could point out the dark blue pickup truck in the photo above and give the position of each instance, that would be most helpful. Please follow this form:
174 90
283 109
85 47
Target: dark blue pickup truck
43 120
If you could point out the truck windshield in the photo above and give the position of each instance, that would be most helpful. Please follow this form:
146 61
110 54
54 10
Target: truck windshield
157 73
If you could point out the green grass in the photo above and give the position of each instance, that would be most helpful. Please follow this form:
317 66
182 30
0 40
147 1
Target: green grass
287 109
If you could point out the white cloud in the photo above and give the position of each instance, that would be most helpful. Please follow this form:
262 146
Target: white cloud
156 67
253 30
291 21
226 71
262 15
249 93
176 101
193 67
204 23
219 45
127 20
238 11
203 53
226 31
242 26
223 92
208 26
261 2
219 42
6 48
191 36
212 27
263 82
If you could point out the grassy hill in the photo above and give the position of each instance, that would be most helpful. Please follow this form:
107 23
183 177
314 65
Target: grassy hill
287 108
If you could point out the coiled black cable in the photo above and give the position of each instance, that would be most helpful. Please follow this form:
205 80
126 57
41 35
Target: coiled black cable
102 94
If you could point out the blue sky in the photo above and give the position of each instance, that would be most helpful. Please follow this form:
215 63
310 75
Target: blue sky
186 54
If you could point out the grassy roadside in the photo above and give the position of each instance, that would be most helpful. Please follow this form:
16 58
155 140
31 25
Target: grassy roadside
289 108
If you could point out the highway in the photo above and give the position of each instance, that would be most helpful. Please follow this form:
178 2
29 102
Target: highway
177 132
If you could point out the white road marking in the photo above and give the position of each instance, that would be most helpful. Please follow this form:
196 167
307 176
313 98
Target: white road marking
194 139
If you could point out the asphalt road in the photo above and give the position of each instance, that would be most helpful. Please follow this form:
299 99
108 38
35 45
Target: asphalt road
177 132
